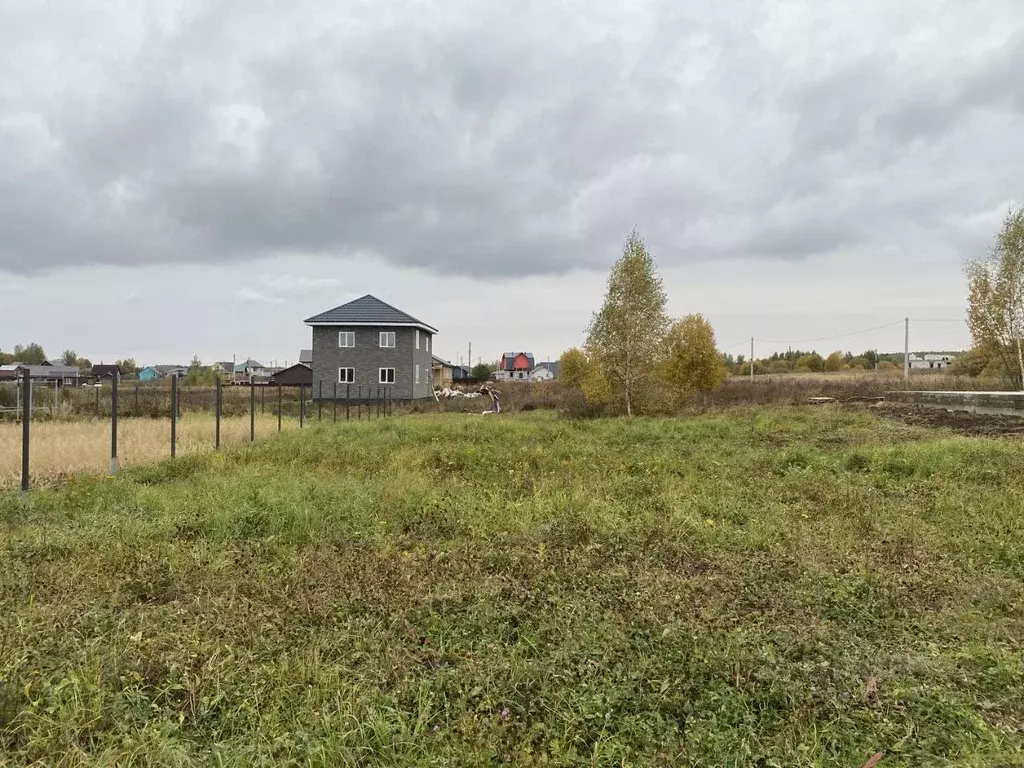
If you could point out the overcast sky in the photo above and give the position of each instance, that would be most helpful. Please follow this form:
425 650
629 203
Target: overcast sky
184 177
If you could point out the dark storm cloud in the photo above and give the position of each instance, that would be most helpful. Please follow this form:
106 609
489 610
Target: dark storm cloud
510 139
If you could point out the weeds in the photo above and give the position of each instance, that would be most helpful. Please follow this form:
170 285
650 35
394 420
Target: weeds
798 587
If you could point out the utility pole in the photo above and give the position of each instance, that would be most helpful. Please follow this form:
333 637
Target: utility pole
469 358
906 349
751 359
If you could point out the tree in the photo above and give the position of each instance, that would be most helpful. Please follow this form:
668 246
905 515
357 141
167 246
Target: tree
779 366
811 362
572 367
834 362
481 371
860 364
128 367
69 357
84 363
625 335
995 297
690 361
32 354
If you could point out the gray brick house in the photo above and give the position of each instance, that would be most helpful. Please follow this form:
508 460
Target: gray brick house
367 345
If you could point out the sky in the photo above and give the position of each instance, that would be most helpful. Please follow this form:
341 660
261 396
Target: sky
186 177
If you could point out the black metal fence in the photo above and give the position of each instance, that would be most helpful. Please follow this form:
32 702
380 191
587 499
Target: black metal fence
345 403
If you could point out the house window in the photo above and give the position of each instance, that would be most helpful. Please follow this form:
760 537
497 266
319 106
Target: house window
346 339
346 375
387 375
387 339
416 377
417 338
426 341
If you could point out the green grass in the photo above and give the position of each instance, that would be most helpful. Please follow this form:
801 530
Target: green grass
759 587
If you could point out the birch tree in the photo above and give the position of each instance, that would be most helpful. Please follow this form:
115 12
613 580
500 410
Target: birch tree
626 333
995 301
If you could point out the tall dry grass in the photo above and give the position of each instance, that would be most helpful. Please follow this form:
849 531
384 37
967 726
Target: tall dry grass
61 448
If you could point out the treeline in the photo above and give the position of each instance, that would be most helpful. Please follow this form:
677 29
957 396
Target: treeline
809 361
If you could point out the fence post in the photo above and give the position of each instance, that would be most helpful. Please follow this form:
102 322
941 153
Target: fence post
26 419
278 407
113 423
348 395
136 398
334 404
174 413
378 402
320 403
263 399
359 402
54 411
99 386
252 410
216 406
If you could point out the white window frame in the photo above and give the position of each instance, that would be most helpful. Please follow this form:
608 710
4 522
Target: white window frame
417 338
386 336
350 379
416 378
426 341
347 336
382 376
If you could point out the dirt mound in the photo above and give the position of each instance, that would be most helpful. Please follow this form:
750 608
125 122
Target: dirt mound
991 425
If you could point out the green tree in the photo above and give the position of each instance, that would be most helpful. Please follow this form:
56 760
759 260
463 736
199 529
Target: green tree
811 362
69 357
32 354
572 367
780 366
995 297
128 367
834 362
84 363
625 335
481 371
860 364
690 360
971 363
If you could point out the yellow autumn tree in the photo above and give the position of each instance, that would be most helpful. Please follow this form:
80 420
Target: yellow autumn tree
690 361
572 368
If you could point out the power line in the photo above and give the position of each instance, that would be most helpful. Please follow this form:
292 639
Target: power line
938 320
829 338
744 341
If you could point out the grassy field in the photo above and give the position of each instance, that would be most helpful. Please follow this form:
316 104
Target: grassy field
756 587
60 449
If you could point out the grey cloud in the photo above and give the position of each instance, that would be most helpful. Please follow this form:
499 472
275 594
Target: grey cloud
505 140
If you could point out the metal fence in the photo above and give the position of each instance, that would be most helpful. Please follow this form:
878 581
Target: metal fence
342 403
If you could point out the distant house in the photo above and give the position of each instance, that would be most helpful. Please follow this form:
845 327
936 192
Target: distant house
149 373
461 373
372 346
254 370
930 361
442 372
514 366
105 371
544 372
294 376
61 375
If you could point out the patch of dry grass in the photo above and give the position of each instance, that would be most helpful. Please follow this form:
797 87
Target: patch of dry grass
61 448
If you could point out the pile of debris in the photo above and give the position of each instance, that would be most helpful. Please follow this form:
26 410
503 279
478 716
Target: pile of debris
450 394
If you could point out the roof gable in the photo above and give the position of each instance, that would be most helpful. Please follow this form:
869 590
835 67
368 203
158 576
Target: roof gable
368 310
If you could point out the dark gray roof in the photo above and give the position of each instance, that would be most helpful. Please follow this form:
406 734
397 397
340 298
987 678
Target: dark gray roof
305 355
369 310
551 366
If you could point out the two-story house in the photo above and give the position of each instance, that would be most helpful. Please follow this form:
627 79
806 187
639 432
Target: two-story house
370 349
